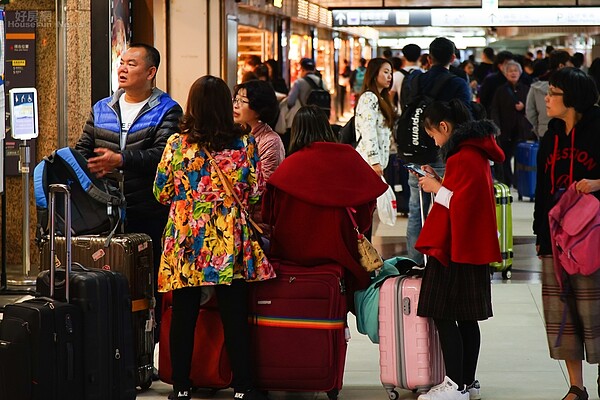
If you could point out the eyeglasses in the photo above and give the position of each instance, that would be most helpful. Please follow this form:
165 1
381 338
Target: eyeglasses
551 93
239 101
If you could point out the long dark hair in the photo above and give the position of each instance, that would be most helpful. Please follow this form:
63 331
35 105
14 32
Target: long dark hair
370 85
208 118
455 112
310 125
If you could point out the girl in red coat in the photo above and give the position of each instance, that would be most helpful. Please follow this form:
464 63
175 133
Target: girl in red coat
461 238
306 199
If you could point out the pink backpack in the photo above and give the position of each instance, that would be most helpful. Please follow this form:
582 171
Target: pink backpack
575 233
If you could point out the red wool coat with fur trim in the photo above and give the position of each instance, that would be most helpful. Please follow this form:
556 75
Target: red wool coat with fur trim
305 205
466 232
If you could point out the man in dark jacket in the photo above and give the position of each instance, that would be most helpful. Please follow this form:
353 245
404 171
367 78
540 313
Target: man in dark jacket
442 53
128 131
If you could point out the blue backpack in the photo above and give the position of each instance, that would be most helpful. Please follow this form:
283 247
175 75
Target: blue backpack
97 205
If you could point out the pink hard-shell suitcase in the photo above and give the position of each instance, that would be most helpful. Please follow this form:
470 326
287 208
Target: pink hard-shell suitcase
410 356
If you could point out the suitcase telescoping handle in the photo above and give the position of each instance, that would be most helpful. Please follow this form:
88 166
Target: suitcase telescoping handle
423 214
54 189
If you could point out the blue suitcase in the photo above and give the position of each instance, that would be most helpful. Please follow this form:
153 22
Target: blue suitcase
526 169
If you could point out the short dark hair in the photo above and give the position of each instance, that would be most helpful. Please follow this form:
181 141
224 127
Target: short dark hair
503 56
558 57
577 59
362 62
396 63
310 125
579 88
261 98
208 118
262 71
387 53
549 49
441 51
253 60
411 52
152 55
489 53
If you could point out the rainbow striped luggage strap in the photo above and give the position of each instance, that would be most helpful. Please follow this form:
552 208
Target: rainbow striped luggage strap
295 322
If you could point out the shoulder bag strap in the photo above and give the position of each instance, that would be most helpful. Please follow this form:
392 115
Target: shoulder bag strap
350 211
229 189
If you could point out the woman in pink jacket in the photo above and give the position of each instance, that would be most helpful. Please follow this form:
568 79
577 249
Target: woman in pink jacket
255 107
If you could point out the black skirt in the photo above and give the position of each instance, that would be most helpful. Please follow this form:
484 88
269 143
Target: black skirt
459 292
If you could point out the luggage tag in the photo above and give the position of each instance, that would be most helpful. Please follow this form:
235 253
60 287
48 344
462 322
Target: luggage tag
151 322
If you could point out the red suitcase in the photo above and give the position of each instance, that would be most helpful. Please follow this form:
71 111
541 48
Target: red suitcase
298 329
210 364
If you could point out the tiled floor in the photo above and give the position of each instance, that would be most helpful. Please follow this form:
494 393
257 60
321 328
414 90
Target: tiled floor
514 361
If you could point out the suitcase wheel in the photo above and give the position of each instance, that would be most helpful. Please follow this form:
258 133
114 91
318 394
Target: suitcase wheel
507 273
146 385
333 394
393 395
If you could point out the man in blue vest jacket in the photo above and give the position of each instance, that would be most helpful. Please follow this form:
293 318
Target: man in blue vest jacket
128 131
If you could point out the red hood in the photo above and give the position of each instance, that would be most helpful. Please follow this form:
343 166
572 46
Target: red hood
328 174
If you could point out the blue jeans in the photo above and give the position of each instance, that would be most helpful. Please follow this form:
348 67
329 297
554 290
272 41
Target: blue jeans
413 227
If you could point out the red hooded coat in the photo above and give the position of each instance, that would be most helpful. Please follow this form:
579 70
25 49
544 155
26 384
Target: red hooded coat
305 204
466 233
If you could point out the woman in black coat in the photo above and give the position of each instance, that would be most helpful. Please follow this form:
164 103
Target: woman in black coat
508 112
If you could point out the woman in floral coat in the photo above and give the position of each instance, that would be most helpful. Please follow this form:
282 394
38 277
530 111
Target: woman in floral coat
207 238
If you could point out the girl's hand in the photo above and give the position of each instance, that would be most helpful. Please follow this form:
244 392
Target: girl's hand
588 185
429 184
431 172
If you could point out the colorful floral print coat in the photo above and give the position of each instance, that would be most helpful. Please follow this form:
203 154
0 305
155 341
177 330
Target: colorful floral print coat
206 240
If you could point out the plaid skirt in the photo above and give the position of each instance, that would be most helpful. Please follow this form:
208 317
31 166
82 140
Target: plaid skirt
459 292
581 330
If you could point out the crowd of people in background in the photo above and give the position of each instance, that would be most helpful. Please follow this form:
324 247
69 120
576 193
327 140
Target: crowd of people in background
277 149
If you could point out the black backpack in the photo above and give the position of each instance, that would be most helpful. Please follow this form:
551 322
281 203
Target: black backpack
347 134
318 96
406 87
98 206
414 144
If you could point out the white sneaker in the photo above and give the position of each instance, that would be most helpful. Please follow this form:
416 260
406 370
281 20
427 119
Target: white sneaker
474 390
447 390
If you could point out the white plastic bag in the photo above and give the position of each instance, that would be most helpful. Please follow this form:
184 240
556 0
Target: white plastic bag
386 206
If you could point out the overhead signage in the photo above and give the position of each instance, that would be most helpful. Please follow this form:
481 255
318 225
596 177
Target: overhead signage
459 17
381 17
580 16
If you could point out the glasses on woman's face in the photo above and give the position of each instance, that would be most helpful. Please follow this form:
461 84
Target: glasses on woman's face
239 101
552 93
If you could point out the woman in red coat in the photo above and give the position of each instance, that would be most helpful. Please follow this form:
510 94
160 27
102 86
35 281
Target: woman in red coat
306 199
460 237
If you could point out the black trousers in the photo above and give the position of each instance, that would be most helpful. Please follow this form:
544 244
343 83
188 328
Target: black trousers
461 341
233 307
503 171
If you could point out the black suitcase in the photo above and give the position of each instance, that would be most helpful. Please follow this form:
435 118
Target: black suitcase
41 349
103 298
131 255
